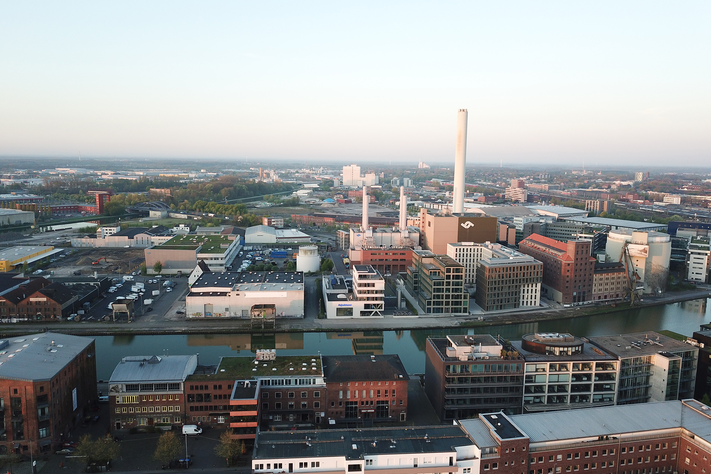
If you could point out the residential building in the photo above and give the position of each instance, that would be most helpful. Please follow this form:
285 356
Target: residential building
149 391
343 239
564 372
47 386
277 222
266 295
516 194
351 176
244 409
362 387
468 375
653 367
567 267
210 400
436 282
698 261
610 282
598 205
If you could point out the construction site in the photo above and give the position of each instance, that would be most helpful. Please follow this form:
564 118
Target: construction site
104 261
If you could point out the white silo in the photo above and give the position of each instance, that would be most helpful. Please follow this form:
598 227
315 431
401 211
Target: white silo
649 252
308 260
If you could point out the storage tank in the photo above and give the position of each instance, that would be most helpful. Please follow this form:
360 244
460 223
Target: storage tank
649 251
308 260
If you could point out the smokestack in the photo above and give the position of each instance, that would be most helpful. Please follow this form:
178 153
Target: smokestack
403 209
365 208
460 162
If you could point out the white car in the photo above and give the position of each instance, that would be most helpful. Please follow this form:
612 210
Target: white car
119 285
168 290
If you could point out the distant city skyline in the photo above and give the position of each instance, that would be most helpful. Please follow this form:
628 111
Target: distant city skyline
604 83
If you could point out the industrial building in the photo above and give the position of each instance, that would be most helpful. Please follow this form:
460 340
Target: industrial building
436 231
366 298
181 253
648 253
387 249
262 234
436 283
13 257
149 391
610 282
47 386
10 217
265 295
308 259
115 237
568 267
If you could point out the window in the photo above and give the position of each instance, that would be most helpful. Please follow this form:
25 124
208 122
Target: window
291 395
368 462
315 464
304 395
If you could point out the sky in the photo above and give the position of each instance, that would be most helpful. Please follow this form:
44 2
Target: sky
594 83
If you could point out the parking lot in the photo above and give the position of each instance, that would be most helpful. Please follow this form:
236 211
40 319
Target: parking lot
146 304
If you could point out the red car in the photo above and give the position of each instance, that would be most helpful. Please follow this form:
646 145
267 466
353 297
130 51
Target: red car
70 444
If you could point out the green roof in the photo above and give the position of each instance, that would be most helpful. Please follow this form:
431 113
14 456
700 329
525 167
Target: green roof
209 243
234 368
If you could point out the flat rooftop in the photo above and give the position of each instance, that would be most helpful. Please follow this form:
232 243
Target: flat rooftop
206 243
502 427
639 344
39 357
357 444
363 367
246 367
22 251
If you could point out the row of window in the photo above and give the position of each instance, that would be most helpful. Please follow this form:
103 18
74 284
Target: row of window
164 409
127 399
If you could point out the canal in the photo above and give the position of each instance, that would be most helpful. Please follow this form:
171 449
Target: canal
683 318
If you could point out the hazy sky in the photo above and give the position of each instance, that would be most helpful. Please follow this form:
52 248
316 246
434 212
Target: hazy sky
604 82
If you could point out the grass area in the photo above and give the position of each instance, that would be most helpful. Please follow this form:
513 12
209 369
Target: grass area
209 243
244 367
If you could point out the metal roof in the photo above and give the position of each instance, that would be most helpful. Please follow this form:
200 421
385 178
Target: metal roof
39 356
479 432
173 368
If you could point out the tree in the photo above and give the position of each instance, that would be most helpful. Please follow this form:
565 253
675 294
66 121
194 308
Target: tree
99 451
144 270
290 267
229 448
706 400
158 267
327 265
168 448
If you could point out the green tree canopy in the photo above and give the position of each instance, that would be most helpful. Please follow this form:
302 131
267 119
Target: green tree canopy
168 448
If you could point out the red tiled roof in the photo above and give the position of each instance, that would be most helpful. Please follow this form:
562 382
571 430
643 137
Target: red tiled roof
540 239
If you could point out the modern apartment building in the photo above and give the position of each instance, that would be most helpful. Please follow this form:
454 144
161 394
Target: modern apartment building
365 298
468 375
564 372
653 367
698 260
568 267
437 283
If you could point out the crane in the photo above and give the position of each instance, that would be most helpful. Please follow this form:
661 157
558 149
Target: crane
626 259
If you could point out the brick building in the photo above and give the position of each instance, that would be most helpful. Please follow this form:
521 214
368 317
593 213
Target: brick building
362 387
47 386
609 282
149 391
568 267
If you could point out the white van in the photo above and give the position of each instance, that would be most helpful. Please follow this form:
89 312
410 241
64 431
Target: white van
191 430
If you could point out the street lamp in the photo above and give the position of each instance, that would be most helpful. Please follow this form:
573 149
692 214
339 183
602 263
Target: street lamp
187 460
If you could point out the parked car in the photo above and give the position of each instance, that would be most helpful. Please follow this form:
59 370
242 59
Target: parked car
104 399
180 312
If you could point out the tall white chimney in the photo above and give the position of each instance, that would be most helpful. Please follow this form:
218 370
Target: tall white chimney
460 162
403 210
365 209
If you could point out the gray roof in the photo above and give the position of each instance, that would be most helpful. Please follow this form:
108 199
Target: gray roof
479 432
615 420
173 368
367 442
639 344
39 356
615 223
